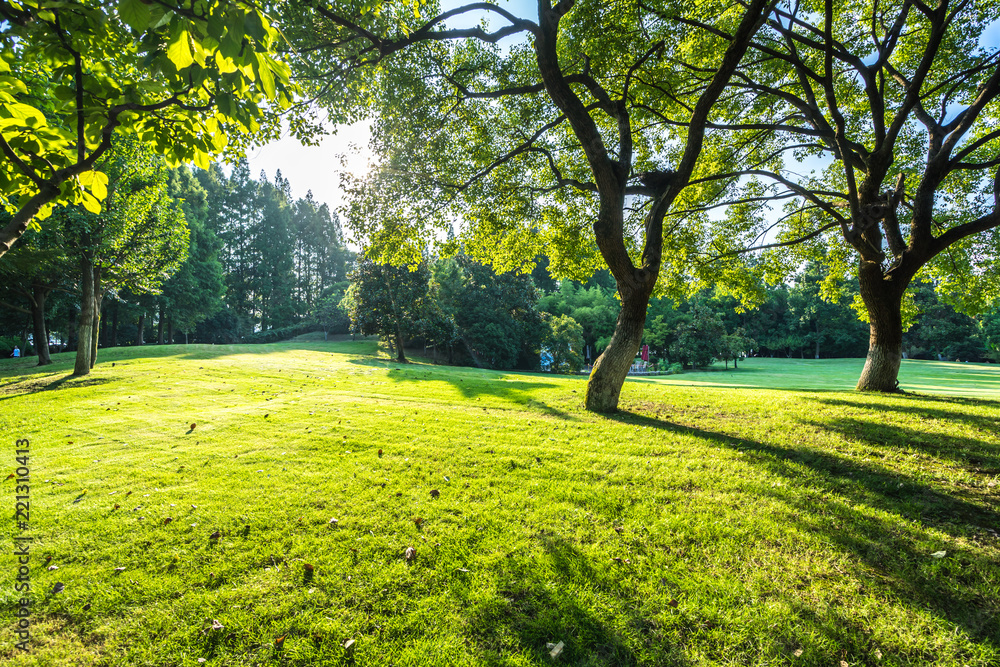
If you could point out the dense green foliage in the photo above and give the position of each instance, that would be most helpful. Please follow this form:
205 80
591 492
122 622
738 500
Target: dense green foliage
181 77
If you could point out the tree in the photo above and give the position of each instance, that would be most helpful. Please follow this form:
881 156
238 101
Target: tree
32 271
938 331
194 293
386 300
991 332
594 308
735 345
182 77
136 242
895 106
548 143
822 320
496 316
699 339
565 344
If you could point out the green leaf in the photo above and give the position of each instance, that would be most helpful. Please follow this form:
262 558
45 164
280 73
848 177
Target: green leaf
27 114
179 51
266 79
135 13
90 203
97 182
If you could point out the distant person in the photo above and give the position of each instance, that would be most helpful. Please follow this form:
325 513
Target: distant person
16 353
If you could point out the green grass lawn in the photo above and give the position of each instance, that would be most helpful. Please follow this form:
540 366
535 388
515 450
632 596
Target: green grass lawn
929 377
704 525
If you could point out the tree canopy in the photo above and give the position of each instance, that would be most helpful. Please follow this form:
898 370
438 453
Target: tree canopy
542 132
182 77
874 128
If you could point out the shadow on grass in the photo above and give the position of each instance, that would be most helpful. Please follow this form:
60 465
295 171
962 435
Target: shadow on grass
531 611
50 383
848 507
975 455
470 385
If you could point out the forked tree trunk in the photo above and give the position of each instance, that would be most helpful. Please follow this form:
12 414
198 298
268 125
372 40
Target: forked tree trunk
86 321
611 368
38 296
883 299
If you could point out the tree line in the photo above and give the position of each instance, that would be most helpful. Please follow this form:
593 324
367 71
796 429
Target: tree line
173 255
461 311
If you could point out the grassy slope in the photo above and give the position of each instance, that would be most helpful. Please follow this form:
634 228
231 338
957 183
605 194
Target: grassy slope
703 526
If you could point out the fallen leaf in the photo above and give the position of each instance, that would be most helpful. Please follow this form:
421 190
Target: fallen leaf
410 554
51 568
167 520
435 493
419 521
11 476
797 652
119 569
333 522
379 455
349 645
939 554
115 507
555 649
673 603
58 588
86 607
279 641
192 426
214 536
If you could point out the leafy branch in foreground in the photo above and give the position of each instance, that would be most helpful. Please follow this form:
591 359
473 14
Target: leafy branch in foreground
182 77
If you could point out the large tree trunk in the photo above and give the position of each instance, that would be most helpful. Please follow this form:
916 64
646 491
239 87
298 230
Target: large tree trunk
85 326
98 301
38 295
883 300
141 329
611 368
